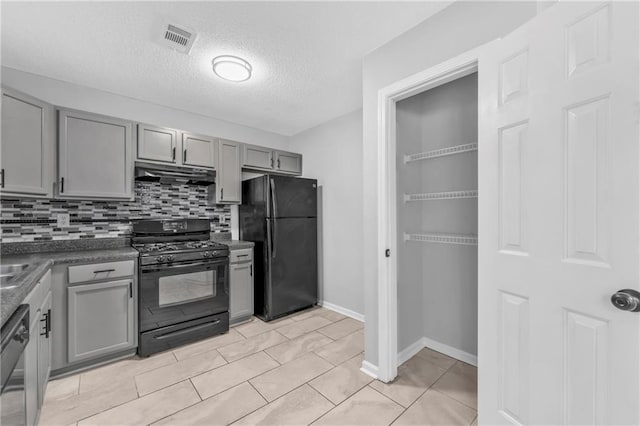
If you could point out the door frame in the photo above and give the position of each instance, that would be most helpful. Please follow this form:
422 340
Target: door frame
445 72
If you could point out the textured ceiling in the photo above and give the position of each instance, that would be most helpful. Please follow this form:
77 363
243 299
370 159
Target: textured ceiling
306 56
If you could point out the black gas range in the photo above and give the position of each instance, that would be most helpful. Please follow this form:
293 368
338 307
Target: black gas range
184 283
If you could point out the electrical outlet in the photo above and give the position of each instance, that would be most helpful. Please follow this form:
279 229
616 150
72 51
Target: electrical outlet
62 220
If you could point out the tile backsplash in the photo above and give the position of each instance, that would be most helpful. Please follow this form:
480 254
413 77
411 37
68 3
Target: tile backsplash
25 220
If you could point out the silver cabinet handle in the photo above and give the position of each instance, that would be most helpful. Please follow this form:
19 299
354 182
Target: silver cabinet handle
104 270
626 300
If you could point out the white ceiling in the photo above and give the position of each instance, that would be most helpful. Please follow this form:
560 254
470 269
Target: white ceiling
306 56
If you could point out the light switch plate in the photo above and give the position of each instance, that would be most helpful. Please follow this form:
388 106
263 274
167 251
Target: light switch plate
62 220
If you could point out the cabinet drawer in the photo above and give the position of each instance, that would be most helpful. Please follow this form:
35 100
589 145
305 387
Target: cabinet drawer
242 255
101 271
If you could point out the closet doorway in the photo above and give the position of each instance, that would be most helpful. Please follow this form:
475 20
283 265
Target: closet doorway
428 215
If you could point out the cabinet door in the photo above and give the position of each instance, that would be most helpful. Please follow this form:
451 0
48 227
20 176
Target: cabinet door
27 144
44 347
289 162
257 157
95 156
240 291
100 319
228 184
30 368
199 151
156 144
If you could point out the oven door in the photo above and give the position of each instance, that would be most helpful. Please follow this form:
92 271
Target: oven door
175 293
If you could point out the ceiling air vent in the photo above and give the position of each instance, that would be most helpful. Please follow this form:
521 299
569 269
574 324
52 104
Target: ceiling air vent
178 38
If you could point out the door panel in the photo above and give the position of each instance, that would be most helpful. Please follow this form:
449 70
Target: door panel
293 262
240 291
25 144
199 150
257 157
229 182
95 156
101 319
157 144
559 219
289 162
292 197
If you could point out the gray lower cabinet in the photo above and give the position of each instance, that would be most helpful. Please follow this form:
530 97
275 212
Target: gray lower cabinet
37 355
94 156
28 145
240 285
101 319
229 181
44 347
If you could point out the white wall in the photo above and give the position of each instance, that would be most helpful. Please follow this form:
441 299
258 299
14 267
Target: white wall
69 95
332 153
457 29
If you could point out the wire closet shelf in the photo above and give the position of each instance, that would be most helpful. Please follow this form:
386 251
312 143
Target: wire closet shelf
441 238
442 152
459 239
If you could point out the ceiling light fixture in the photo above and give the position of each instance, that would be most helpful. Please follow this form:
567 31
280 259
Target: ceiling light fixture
231 68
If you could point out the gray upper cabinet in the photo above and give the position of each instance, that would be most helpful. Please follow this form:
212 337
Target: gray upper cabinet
288 162
28 141
228 181
95 156
199 151
157 144
257 157
260 158
101 319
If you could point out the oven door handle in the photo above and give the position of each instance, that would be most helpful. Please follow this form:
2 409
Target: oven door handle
187 330
208 265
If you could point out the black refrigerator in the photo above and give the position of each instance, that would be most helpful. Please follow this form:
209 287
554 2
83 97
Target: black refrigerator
279 214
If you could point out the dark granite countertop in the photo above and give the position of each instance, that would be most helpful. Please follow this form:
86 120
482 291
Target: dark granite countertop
225 238
11 298
40 262
238 244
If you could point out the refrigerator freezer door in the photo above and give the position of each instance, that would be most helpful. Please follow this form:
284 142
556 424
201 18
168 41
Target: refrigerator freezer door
292 197
293 265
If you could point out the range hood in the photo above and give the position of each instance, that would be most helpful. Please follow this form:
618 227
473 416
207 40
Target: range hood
151 172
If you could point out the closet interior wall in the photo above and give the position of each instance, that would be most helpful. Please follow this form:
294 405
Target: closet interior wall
437 281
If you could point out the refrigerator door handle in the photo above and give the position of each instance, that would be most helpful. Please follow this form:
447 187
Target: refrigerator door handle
269 238
274 236
274 205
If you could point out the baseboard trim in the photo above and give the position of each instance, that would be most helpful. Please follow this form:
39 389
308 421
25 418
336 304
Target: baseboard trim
408 353
369 369
425 342
339 309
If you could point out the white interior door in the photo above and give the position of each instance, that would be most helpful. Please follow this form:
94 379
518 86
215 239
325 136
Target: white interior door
559 191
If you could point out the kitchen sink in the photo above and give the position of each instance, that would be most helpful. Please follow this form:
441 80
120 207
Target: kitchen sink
8 272
12 269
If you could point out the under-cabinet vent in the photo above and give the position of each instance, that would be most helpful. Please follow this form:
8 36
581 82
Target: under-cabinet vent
178 38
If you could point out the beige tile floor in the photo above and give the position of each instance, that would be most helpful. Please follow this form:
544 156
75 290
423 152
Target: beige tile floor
299 370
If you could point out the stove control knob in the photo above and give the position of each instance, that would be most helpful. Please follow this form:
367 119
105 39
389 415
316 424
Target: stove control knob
160 259
170 258
206 254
